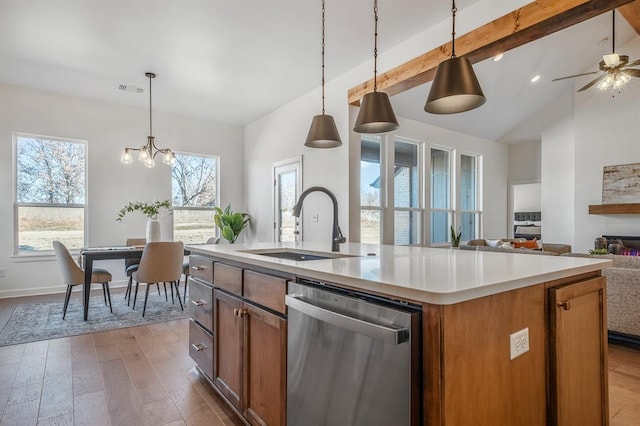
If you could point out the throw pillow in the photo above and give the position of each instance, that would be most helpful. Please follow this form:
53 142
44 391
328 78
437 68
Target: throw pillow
506 245
494 243
530 244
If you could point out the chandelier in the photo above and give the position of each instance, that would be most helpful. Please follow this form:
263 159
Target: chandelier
148 152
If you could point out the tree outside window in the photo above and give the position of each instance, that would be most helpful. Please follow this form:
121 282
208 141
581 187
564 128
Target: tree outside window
194 195
50 192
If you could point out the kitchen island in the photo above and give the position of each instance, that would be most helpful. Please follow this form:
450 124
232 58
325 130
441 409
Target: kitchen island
471 304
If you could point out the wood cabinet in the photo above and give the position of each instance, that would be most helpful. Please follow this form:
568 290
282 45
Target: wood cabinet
579 392
250 343
470 378
265 366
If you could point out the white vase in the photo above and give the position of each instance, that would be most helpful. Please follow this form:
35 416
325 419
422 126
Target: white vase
153 230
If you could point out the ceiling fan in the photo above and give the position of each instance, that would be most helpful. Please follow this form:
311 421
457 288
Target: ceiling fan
615 70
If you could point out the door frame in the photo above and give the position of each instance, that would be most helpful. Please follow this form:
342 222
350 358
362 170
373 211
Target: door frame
279 167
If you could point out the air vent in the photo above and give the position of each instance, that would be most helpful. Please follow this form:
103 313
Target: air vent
130 88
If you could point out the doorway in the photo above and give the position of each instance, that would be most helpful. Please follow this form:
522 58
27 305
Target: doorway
287 181
524 196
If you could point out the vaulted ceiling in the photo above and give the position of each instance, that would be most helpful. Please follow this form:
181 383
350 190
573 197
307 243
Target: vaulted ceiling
236 61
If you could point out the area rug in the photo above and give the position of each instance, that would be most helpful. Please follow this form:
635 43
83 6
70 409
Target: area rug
32 322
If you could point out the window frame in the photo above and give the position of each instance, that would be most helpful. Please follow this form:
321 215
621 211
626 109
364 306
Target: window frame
478 193
451 211
16 204
420 168
216 231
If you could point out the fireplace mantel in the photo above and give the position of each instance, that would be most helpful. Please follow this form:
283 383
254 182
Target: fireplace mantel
625 208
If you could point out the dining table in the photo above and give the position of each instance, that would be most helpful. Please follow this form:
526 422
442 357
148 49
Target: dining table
92 254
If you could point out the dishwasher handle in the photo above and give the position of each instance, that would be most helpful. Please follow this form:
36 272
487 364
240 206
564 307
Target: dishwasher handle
384 333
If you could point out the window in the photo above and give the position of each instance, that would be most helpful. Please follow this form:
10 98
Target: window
406 184
195 180
441 211
370 206
50 198
469 206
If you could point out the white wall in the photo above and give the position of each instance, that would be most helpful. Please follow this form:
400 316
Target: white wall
526 197
524 161
606 134
108 128
281 134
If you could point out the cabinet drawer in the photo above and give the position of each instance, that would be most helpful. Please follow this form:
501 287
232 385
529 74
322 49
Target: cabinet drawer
228 278
201 267
201 307
201 348
265 290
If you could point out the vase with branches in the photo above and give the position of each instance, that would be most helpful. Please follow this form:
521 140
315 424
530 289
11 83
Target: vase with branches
151 210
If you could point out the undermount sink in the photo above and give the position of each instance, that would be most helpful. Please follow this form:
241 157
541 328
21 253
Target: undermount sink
297 255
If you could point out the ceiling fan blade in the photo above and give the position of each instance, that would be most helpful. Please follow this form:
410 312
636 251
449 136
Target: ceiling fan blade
575 75
632 72
633 64
591 83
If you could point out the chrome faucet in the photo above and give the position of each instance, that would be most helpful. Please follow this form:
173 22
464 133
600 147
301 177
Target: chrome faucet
336 237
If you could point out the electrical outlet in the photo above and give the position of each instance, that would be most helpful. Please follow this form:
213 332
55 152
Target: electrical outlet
519 342
316 217
3 272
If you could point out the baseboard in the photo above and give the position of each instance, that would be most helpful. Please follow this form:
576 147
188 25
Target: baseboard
41 291
628 340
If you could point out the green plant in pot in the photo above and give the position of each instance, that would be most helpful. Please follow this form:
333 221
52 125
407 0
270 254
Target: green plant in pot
455 237
230 223
151 210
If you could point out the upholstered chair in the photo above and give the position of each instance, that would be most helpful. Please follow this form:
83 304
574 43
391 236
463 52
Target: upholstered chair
73 275
161 262
131 265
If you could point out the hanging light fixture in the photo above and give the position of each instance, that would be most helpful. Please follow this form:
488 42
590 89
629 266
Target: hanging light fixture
323 132
148 152
455 87
376 114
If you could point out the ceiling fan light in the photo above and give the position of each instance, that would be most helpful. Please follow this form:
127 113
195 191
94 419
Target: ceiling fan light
376 114
606 82
323 133
455 88
612 60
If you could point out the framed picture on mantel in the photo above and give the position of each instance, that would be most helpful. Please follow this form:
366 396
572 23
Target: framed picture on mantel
621 184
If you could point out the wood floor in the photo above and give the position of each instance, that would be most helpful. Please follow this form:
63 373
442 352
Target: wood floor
144 376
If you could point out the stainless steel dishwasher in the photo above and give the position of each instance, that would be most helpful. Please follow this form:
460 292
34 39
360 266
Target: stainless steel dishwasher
352 359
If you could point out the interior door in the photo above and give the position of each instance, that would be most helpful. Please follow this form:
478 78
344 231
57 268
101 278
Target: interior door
287 180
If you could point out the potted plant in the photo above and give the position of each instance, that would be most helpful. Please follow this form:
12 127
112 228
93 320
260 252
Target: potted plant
151 210
455 237
230 223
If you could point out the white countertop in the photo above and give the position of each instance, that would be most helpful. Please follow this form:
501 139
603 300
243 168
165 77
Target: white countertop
434 275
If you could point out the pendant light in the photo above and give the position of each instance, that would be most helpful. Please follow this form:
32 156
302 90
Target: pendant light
148 152
376 114
455 87
323 132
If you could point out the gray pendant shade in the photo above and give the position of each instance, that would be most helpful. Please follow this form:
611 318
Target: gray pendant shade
455 88
376 114
323 133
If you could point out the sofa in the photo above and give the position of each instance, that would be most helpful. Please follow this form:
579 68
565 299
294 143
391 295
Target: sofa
510 245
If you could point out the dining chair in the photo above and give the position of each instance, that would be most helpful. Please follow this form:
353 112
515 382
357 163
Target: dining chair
73 275
185 267
161 262
131 265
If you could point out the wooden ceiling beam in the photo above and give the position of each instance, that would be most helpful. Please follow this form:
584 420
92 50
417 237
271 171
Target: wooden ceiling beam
528 23
631 12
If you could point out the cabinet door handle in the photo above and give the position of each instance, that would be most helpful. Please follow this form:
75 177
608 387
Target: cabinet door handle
198 268
242 312
236 312
199 303
565 305
198 347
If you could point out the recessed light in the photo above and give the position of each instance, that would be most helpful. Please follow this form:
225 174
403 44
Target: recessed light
498 57
535 78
